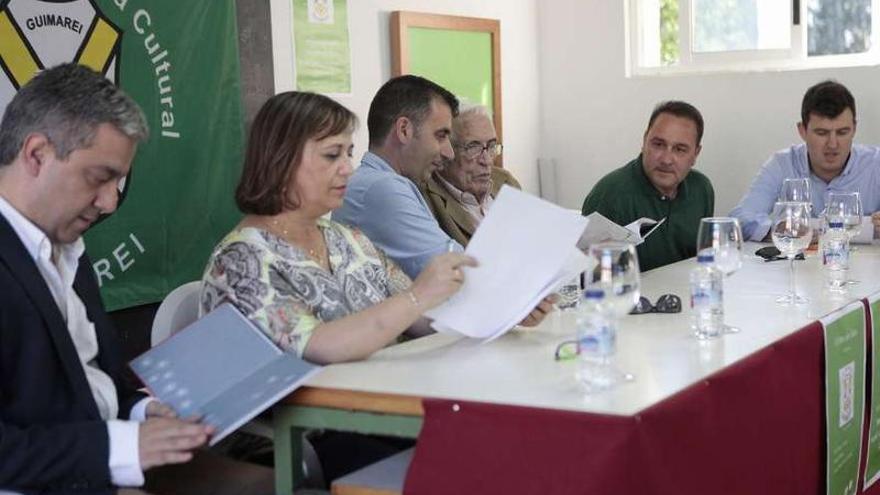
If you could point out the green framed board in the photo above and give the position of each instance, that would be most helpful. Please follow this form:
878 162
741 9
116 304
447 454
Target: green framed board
431 46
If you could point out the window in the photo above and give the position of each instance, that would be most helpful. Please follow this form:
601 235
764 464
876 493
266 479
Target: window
711 35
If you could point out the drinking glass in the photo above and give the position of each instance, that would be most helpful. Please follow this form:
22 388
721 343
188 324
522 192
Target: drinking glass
845 207
791 233
616 274
722 236
569 294
795 190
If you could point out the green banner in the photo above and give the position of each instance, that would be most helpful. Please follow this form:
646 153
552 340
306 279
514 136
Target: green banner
844 396
320 37
872 464
179 61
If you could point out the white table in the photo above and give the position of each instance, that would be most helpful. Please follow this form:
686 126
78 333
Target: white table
518 369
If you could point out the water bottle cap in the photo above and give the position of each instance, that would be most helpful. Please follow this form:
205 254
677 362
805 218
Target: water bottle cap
835 225
706 257
594 293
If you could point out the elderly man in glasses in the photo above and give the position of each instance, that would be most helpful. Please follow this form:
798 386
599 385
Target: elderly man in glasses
460 193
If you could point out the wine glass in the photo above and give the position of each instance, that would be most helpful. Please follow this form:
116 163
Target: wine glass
791 233
845 207
795 190
616 276
722 236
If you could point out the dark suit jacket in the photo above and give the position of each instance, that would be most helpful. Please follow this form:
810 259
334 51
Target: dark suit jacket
452 217
52 438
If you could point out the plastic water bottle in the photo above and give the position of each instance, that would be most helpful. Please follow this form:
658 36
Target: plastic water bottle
597 341
835 256
707 297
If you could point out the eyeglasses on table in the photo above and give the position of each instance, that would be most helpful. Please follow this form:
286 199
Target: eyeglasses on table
667 303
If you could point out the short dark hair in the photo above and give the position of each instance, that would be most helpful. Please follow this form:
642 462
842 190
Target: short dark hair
275 146
828 99
67 103
679 109
404 96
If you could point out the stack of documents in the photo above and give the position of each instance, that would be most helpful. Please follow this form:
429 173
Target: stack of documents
526 248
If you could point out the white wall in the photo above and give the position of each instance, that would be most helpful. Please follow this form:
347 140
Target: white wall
594 117
371 65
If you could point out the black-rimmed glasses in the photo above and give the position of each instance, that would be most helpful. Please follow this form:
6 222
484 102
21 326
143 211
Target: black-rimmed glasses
567 349
667 303
473 150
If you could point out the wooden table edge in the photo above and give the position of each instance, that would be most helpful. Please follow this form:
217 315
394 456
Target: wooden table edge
353 400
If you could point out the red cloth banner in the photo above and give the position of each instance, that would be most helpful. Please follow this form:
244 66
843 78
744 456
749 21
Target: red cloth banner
754 427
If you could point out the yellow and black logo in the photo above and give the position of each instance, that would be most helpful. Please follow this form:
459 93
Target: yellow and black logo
36 34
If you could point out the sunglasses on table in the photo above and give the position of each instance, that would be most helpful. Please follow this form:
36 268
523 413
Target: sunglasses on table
771 253
667 303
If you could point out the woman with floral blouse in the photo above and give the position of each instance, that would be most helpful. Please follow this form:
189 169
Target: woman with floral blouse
317 288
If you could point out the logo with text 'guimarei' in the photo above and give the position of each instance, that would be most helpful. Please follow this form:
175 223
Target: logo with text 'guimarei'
39 34
36 35
179 60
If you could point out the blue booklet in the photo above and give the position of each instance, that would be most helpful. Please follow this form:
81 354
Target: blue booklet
222 368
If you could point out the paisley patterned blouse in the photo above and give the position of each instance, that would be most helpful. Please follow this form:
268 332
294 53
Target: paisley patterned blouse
286 293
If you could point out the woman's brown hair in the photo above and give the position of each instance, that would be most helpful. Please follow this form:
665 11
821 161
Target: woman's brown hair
275 147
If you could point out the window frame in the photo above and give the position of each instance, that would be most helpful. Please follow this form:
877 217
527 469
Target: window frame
641 51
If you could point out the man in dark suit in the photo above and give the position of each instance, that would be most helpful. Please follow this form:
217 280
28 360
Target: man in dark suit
69 423
462 191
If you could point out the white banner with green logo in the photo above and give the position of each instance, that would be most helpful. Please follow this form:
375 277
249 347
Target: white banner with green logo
872 463
844 396
321 43
179 61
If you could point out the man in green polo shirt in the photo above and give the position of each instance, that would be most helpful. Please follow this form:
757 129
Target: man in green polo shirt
659 184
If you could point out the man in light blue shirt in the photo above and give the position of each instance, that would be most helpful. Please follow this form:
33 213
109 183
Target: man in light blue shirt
827 158
409 122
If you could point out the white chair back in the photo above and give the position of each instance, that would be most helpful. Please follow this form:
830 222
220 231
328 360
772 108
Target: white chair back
179 308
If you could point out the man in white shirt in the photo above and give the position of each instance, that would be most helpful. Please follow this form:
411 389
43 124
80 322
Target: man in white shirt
69 422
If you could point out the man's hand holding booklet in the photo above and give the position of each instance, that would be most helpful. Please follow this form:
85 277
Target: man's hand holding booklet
601 229
221 368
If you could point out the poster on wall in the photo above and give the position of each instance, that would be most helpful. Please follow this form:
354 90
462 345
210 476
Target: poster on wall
321 46
179 61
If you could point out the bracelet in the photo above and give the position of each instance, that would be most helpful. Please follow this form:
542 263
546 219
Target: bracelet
412 298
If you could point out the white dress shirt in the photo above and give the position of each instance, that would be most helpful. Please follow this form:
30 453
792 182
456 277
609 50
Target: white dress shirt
58 266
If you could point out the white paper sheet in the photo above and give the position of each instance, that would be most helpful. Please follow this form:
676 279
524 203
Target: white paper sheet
636 227
601 229
525 249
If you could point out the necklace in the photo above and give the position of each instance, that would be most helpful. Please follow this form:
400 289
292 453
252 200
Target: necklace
317 255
